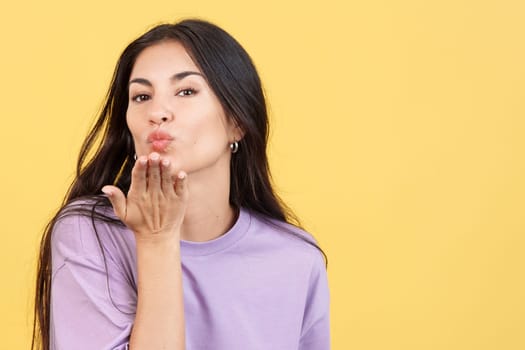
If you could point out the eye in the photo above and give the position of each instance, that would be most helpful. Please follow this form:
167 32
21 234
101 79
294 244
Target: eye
140 98
186 92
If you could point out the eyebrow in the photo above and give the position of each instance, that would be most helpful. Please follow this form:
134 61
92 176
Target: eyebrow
174 78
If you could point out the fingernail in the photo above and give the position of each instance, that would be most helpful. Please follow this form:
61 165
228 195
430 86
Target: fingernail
107 191
182 175
154 156
166 162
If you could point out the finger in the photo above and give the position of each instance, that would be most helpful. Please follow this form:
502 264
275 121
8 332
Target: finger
166 180
153 172
138 174
117 199
181 185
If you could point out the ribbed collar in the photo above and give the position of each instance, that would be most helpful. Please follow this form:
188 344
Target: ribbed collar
236 232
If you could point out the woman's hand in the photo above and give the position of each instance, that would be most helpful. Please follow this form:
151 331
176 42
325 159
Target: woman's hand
156 203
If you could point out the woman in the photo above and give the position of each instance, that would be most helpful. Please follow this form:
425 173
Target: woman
171 235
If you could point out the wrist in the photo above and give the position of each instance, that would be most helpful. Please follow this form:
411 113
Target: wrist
157 241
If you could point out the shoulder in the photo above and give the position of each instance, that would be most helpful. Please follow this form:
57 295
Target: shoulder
286 240
279 230
82 228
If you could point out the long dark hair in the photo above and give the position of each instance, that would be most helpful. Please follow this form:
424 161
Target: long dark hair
106 156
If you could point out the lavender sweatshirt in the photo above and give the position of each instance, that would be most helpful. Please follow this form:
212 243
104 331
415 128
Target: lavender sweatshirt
255 287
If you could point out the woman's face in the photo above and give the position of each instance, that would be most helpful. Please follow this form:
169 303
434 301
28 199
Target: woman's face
173 111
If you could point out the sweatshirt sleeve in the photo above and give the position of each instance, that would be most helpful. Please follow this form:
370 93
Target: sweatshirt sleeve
315 333
92 301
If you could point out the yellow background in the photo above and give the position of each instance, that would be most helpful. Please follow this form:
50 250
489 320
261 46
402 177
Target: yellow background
398 137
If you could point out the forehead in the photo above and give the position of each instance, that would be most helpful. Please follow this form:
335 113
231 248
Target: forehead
163 60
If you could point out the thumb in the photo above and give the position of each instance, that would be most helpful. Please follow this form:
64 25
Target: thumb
117 199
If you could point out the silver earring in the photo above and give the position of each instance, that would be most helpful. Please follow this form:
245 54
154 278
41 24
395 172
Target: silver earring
234 146
135 156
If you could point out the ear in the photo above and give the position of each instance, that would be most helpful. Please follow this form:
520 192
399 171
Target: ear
236 132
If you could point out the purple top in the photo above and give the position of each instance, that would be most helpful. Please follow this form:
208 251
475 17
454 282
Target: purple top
255 287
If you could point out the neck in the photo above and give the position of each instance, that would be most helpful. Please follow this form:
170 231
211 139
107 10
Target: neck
209 213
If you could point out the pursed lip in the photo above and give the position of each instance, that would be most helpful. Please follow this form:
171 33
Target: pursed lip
160 140
159 135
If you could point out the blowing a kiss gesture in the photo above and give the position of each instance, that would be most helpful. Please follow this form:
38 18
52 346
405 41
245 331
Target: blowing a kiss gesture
156 202
154 210
201 230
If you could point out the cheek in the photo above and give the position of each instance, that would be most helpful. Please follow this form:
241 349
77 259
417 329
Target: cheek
210 133
132 121
134 129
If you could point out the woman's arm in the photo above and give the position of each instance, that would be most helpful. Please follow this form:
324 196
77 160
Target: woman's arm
159 322
154 210
315 334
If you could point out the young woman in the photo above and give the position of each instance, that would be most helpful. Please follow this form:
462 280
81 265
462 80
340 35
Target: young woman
171 236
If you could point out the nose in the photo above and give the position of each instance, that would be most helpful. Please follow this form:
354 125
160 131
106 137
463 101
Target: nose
160 114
